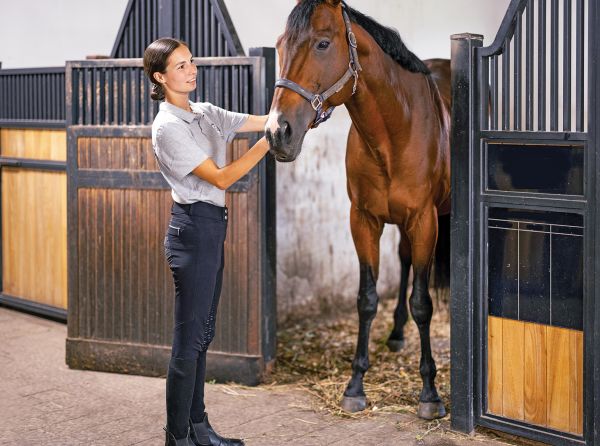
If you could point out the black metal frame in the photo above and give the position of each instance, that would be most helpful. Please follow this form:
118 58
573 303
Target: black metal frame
471 102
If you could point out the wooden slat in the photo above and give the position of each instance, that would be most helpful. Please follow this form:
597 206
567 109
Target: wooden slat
34 235
576 382
34 144
535 374
116 154
558 378
512 369
495 365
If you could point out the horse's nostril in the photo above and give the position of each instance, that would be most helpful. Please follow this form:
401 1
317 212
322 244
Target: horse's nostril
286 129
269 136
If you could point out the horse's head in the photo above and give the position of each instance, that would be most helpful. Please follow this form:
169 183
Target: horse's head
317 72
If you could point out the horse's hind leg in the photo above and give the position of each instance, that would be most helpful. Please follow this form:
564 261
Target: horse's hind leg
422 231
396 340
366 232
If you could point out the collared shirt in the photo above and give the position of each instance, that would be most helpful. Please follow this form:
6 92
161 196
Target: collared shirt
183 140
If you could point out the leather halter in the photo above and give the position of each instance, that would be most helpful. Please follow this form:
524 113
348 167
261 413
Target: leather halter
318 99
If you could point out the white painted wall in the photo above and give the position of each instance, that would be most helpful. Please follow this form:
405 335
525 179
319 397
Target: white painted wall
316 259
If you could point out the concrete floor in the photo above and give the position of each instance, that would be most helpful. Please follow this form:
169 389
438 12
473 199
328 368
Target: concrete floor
43 402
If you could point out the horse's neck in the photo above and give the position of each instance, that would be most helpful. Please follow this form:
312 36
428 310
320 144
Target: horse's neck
385 97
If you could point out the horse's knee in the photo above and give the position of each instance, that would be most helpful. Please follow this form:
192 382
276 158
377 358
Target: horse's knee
421 307
367 294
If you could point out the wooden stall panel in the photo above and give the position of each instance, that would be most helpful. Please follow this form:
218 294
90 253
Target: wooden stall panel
34 144
116 153
535 374
34 235
125 287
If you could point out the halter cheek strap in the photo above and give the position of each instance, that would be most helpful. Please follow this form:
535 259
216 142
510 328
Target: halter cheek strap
318 99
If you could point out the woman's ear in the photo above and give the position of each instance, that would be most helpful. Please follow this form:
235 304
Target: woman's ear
158 77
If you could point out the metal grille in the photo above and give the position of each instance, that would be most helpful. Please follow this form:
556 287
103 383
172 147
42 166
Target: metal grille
203 24
117 92
32 95
533 77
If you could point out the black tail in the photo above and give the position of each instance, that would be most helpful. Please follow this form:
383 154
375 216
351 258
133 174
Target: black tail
442 258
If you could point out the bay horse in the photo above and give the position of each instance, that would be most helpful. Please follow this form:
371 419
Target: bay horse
397 157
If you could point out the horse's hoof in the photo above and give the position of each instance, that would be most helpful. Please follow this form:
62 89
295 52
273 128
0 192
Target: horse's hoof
395 345
431 411
354 404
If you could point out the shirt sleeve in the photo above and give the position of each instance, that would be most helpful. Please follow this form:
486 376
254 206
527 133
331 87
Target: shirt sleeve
227 120
178 150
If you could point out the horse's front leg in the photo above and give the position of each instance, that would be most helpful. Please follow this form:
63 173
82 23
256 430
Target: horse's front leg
366 232
422 231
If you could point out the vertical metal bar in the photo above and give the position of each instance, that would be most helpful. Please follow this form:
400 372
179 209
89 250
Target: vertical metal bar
579 66
214 38
506 85
137 30
567 107
517 73
194 16
529 66
542 66
235 94
554 42
145 26
485 93
207 14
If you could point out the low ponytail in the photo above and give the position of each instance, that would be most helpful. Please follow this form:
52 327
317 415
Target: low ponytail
158 93
155 61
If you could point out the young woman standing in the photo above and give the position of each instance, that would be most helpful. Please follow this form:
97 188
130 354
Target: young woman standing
189 141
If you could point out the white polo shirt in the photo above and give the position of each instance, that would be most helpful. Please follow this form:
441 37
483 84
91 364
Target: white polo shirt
183 140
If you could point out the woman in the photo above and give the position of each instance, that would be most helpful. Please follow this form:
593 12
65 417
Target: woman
189 141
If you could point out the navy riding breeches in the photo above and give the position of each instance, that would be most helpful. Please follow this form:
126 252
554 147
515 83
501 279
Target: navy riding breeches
194 249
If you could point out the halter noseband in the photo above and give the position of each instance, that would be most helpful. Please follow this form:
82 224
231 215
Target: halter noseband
317 100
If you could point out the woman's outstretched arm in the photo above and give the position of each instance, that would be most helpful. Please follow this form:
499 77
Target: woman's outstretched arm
229 174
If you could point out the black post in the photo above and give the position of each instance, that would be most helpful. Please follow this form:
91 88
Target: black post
464 118
591 371
268 211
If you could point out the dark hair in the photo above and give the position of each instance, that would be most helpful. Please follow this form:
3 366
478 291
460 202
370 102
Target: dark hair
155 60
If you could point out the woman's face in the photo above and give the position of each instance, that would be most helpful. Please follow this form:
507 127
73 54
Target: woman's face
180 75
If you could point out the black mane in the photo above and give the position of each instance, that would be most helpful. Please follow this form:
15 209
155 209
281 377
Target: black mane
388 39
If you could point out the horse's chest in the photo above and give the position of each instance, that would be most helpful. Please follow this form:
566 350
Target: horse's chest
369 191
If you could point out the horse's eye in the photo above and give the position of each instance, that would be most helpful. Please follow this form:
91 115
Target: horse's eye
323 45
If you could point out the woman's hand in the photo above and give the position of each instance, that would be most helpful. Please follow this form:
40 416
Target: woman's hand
226 176
254 124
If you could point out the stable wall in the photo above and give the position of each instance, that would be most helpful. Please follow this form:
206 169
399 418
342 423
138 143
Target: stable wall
315 254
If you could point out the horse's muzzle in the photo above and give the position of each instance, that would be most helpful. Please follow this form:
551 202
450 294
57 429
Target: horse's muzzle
280 142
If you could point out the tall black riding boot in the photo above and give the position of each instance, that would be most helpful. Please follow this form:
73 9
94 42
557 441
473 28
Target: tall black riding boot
202 434
180 388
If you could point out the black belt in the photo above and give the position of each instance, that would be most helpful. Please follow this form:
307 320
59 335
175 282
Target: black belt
201 208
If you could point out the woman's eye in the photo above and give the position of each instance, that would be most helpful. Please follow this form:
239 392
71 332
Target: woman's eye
323 45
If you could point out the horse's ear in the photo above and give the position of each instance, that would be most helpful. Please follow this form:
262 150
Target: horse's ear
334 3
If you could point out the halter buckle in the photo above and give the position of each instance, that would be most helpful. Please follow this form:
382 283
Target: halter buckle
317 102
352 39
